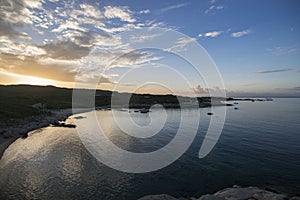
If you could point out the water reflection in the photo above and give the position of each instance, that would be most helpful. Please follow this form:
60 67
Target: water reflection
256 142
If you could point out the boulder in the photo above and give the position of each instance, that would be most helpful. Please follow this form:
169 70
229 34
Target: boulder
158 197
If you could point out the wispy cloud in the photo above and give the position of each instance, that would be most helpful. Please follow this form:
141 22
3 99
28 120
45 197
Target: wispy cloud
172 7
279 50
240 33
213 8
273 71
211 34
144 11
181 44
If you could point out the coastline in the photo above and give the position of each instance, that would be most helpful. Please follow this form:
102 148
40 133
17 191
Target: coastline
22 127
15 129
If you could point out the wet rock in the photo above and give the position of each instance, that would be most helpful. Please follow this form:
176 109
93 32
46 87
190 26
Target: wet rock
240 193
210 197
233 193
158 197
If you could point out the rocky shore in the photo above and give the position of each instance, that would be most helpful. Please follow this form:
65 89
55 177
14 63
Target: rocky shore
14 129
234 193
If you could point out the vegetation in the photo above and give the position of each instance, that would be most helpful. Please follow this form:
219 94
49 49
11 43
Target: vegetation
16 100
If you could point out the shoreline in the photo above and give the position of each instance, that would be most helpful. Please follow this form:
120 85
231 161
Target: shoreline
10 134
19 128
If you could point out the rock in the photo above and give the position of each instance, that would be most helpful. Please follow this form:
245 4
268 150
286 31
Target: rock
265 195
158 197
62 124
234 193
239 193
24 135
210 197
295 198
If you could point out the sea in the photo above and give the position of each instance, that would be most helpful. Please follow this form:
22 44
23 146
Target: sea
259 146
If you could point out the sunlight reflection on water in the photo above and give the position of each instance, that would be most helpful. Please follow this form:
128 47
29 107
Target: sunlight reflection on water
259 140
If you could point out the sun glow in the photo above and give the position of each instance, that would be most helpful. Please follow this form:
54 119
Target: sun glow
12 78
35 81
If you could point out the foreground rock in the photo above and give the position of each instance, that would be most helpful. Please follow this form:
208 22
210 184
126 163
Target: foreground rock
234 193
158 197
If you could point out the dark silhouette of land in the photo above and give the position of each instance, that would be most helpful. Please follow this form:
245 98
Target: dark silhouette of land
19 101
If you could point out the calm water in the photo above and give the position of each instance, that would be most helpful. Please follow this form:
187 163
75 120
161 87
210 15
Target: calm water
260 145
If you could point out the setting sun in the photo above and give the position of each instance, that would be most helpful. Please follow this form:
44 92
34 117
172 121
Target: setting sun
31 80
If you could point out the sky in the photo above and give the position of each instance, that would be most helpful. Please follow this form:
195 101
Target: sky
255 45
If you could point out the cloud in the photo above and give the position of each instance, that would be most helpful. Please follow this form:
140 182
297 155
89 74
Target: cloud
273 71
17 13
211 34
144 11
125 27
240 33
181 43
67 33
20 49
279 51
144 37
89 39
65 50
90 11
69 24
123 13
172 7
200 90
213 8
211 91
93 78
132 58
6 31
31 67
60 62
